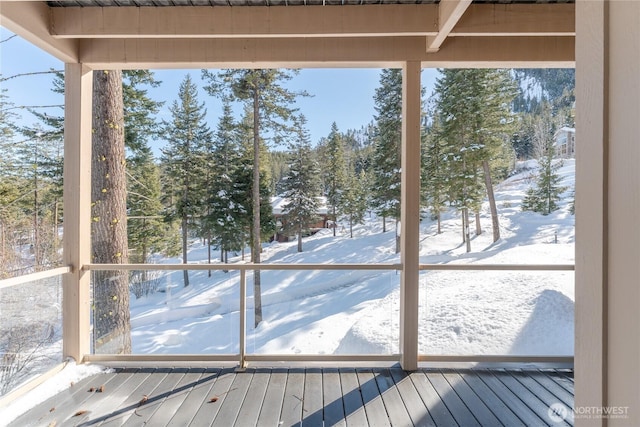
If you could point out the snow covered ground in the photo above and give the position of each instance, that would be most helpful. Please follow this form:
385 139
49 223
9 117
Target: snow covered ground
341 312
357 312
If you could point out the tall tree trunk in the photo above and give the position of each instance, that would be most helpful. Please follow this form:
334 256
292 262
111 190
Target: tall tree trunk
384 224
397 237
464 235
185 224
300 239
112 327
478 227
467 236
495 223
209 250
439 223
351 226
335 221
257 293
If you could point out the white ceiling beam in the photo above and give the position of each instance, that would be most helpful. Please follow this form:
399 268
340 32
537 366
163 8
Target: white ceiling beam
326 52
449 13
30 20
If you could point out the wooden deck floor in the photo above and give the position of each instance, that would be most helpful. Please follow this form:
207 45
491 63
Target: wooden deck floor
309 397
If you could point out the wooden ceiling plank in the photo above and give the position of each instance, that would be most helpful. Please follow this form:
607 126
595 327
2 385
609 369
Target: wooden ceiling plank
256 21
517 20
309 21
449 13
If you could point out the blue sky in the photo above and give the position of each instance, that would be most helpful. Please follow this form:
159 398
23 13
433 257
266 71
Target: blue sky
341 95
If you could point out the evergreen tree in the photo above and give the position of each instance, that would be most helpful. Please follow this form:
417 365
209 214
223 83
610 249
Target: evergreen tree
146 231
474 108
301 186
434 172
111 319
261 89
186 134
387 140
354 199
544 197
227 216
334 171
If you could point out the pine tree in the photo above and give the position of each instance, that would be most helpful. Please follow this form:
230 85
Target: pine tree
387 140
186 135
301 185
263 91
227 216
112 328
146 231
334 174
354 200
434 172
475 116
544 197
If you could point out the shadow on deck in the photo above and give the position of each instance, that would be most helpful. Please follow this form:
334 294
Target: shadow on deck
313 397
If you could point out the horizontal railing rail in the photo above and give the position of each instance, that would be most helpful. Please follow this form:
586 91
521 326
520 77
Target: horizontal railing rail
32 277
499 267
243 358
309 266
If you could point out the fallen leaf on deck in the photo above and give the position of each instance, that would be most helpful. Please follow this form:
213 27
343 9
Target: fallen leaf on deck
101 389
213 399
92 389
52 409
82 412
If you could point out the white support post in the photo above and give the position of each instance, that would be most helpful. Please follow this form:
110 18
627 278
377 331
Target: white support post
607 347
77 210
410 215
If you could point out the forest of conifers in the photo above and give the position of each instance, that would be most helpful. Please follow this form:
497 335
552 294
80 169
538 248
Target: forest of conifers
214 176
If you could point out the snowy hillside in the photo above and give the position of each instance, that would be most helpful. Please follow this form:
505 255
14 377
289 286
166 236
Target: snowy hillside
330 312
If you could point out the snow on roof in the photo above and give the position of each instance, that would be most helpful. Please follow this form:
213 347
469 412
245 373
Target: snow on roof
564 129
278 203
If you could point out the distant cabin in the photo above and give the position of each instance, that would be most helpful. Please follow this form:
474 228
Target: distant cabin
564 141
277 205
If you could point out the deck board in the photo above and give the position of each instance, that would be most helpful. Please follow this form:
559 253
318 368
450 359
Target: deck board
64 405
415 406
250 409
499 408
437 409
176 397
112 392
352 398
291 414
207 411
332 396
232 401
272 403
398 415
194 399
313 396
452 401
478 408
312 414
